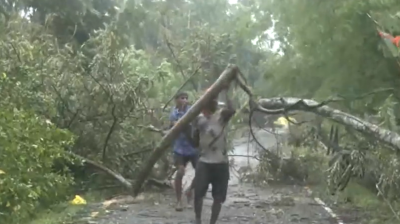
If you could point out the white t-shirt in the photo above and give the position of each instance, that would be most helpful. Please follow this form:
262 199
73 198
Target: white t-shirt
213 140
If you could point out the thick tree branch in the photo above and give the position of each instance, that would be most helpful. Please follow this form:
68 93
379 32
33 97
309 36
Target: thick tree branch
290 103
106 170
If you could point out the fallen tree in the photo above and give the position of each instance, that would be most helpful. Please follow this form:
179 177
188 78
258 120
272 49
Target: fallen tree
286 104
228 75
267 106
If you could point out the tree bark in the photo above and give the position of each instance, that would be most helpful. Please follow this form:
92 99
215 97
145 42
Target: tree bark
290 104
106 170
227 75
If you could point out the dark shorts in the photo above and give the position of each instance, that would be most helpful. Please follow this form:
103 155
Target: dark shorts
216 174
183 160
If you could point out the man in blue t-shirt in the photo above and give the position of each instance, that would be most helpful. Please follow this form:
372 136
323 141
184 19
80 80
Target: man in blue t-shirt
184 149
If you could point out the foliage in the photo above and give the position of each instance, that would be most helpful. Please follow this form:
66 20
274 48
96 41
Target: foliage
30 145
103 70
356 196
65 212
332 48
46 82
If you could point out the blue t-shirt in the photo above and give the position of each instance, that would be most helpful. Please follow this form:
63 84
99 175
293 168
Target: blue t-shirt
182 146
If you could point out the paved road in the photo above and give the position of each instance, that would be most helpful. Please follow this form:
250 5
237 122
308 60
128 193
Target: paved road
245 204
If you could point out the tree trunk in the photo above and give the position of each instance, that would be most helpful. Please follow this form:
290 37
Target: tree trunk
290 104
227 75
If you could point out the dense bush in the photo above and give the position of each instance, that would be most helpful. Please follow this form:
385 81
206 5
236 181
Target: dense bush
29 147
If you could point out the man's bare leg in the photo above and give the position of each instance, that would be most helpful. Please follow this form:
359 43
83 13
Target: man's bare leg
198 208
215 210
189 193
178 187
190 190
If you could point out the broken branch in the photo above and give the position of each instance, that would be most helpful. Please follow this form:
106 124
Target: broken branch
290 103
106 170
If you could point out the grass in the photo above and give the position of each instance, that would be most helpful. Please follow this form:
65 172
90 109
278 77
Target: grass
64 212
361 197
356 197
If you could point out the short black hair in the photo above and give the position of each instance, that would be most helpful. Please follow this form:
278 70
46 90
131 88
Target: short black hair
180 94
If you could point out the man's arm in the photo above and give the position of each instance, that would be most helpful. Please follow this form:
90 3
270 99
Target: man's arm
173 117
227 112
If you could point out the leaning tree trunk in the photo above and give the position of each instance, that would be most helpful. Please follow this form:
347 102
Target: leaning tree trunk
291 104
227 75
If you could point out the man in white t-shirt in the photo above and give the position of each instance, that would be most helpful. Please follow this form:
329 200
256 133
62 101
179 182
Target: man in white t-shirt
213 165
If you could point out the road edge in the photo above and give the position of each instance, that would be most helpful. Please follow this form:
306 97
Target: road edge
324 206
